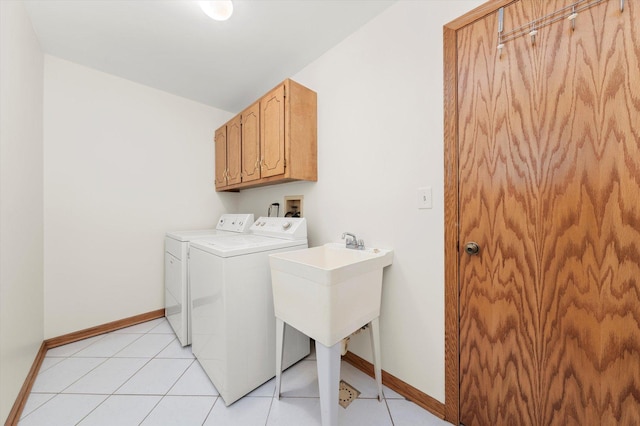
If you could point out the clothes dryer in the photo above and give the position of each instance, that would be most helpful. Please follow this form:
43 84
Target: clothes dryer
176 269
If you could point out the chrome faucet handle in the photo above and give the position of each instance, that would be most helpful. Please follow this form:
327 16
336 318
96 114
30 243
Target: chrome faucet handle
351 242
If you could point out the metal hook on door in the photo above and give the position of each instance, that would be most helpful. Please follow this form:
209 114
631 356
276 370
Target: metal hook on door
533 34
621 5
500 30
572 18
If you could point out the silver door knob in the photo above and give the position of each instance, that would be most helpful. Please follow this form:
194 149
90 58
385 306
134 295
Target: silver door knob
471 248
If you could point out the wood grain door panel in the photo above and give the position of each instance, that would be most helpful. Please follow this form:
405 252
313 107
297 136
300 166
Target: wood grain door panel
234 150
549 171
221 157
251 143
272 132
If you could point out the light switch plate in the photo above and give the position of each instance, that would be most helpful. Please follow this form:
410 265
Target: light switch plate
425 198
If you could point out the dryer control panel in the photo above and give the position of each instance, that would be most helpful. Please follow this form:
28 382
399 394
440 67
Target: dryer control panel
290 228
235 222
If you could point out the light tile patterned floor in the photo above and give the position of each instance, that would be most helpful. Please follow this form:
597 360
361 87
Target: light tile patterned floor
141 375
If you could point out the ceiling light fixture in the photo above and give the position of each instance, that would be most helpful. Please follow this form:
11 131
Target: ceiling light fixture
218 10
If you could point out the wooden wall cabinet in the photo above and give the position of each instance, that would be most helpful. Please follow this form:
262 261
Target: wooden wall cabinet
228 153
272 141
251 143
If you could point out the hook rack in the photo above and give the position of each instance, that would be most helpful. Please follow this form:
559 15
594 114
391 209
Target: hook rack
531 29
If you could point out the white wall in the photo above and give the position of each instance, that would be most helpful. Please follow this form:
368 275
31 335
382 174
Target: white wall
123 164
21 221
380 137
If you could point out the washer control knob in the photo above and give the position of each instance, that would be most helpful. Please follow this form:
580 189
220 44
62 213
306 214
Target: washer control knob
286 225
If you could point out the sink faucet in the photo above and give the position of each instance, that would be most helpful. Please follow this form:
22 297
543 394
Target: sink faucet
353 242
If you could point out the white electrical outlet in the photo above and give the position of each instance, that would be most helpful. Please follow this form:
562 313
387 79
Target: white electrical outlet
425 198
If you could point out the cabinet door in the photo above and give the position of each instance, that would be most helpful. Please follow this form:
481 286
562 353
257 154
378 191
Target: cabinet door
251 143
221 157
272 128
234 150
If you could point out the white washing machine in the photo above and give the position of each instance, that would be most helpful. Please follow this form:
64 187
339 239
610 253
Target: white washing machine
176 269
232 305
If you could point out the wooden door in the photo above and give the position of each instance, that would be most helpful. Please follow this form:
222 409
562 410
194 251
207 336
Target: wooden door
251 143
234 150
272 132
549 188
221 157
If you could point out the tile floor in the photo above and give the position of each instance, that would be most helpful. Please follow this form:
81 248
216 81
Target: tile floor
141 375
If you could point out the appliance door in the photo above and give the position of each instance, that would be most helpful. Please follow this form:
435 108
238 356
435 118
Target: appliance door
174 295
208 325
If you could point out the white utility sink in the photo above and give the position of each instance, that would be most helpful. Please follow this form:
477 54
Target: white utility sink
328 292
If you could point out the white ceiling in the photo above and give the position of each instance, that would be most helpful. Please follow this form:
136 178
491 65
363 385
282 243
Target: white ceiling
173 46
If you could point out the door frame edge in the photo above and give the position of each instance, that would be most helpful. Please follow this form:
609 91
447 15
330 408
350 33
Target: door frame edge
451 206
